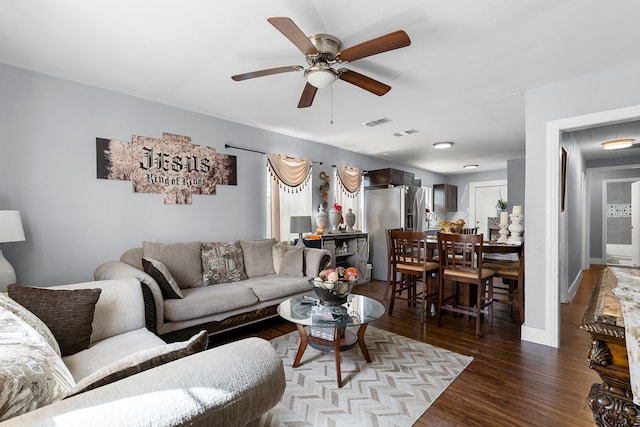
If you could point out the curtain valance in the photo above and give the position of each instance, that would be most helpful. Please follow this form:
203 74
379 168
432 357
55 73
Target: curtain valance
291 173
349 179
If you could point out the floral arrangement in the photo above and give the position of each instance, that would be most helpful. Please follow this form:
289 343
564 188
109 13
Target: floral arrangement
337 207
338 281
502 204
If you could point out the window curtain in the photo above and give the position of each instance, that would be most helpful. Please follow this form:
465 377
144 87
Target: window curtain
289 192
349 180
348 192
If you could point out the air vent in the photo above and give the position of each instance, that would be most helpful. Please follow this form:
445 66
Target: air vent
410 131
398 134
375 123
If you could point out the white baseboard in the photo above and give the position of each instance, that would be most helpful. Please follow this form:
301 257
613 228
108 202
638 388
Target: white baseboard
573 288
535 335
598 261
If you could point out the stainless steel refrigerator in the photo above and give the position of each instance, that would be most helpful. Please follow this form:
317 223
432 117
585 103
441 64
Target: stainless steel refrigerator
390 207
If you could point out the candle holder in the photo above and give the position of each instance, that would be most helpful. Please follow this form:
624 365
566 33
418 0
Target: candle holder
503 233
516 229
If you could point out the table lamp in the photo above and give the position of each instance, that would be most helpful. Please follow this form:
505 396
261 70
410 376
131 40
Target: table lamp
10 231
300 224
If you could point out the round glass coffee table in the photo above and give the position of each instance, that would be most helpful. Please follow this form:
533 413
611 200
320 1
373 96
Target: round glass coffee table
326 328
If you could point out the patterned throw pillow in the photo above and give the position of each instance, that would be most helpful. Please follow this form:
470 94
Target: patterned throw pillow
68 313
163 278
31 320
32 374
222 262
288 259
141 361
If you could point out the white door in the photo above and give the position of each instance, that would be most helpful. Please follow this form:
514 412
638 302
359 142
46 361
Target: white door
635 223
483 197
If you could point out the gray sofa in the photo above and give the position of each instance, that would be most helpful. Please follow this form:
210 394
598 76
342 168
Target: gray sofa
222 285
230 385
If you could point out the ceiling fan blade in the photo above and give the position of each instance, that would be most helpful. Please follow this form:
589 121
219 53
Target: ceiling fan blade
308 94
266 72
380 44
364 82
291 31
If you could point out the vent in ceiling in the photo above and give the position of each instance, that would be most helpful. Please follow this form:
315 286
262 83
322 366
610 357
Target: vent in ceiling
378 122
398 134
410 131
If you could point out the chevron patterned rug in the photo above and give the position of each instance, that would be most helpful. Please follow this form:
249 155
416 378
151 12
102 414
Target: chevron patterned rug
395 389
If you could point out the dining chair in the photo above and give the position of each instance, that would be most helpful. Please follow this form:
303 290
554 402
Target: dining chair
389 260
410 261
469 230
511 289
467 270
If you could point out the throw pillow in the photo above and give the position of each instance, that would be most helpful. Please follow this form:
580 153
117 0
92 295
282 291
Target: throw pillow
222 262
68 313
182 259
163 277
141 361
292 262
31 320
258 258
277 252
32 374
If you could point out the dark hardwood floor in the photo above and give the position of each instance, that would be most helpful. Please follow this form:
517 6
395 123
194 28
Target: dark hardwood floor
509 383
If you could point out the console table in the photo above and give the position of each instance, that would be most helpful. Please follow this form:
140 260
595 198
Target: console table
347 250
611 401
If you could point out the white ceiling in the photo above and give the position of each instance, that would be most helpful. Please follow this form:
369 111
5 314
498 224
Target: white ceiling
462 79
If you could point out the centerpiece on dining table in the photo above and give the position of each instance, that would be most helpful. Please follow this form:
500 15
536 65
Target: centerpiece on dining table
333 286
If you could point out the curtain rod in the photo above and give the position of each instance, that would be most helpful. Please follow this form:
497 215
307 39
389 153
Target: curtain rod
256 151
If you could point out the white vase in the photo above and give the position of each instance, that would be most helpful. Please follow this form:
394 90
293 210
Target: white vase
334 219
321 220
350 220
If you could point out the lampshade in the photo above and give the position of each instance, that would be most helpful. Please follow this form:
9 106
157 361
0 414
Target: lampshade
617 144
320 75
11 227
300 224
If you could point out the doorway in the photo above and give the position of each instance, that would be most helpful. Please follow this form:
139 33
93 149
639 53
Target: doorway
621 225
483 197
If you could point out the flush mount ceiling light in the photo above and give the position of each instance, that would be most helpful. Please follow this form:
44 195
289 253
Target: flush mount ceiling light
320 75
469 166
617 144
440 145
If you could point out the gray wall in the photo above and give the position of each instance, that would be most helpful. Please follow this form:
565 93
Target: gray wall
616 88
515 178
73 221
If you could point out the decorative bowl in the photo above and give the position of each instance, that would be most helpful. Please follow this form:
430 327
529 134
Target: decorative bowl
332 294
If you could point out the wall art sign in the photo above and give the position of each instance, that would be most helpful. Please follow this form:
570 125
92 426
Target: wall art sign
172 166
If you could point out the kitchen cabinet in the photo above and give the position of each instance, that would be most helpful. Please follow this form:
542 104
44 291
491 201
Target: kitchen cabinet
445 198
391 176
347 250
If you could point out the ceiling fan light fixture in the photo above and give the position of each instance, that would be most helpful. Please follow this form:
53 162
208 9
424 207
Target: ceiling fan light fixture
320 75
443 144
618 144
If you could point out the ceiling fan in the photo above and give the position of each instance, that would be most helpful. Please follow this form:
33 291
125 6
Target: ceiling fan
322 51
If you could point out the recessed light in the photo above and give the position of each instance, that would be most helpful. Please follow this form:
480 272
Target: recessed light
444 144
617 144
470 166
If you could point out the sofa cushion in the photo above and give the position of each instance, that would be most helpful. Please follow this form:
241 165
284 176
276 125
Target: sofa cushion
222 262
258 258
31 320
141 361
292 262
275 287
68 313
162 276
182 259
32 374
133 257
198 302
110 350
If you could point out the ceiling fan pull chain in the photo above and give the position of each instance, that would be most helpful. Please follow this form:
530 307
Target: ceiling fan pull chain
331 106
